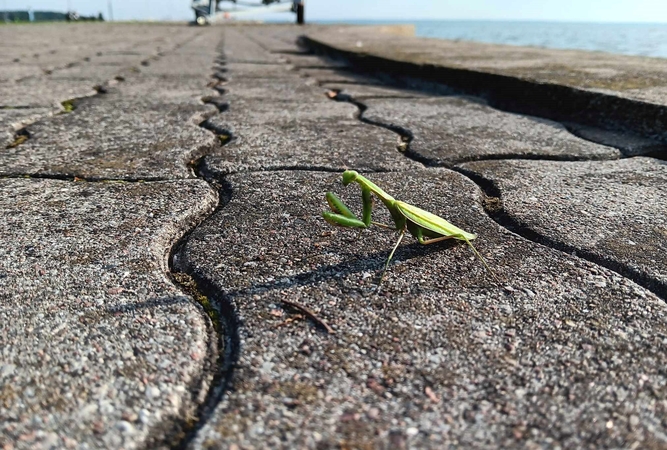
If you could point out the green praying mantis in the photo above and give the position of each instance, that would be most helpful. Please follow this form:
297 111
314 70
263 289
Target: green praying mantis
423 225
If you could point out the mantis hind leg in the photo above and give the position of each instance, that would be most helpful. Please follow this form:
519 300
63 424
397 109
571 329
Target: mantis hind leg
418 232
391 255
493 274
433 240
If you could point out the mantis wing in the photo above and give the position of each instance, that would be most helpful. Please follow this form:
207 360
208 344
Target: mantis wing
432 222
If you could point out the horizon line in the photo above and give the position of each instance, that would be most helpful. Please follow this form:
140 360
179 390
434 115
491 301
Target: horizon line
403 20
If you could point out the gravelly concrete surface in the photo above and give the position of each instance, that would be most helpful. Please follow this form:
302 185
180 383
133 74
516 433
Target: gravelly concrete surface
40 93
240 48
293 88
361 92
98 349
562 352
613 210
246 71
336 76
101 349
448 130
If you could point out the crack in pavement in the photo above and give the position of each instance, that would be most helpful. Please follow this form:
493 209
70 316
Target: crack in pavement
224 345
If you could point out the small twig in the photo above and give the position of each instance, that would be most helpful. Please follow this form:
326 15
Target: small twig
310 314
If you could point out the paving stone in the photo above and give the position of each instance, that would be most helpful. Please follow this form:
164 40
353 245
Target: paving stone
166 89
365 91
336 76
239 47
561 353
96 73
183 65
314 62
13 70
448 130
631 144
323 135
107 136
242 71
243 111
293 88
611 211
45 92
98 349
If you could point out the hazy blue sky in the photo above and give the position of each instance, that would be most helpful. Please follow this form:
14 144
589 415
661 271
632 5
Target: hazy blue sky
560 10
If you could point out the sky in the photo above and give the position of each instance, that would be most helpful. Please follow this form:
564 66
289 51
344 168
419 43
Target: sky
388 10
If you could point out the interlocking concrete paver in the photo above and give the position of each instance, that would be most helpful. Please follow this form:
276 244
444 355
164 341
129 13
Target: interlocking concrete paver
98 349
361 92
612 210
107 136
244 71
323 143
242 49
45 93
561 352
448 130
294 88
314 62
337 76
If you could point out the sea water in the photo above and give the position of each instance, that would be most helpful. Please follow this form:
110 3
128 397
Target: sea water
625 38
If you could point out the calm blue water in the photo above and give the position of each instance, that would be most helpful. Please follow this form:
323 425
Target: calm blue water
625 38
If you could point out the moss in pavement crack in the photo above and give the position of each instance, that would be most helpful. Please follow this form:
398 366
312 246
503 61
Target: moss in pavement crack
190 286
68 106
20 139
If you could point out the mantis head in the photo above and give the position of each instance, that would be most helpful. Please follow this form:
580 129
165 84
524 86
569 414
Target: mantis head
349 176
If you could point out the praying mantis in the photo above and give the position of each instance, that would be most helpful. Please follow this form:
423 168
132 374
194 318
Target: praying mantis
426 227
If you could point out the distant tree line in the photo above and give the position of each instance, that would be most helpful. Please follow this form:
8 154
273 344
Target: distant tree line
46 16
